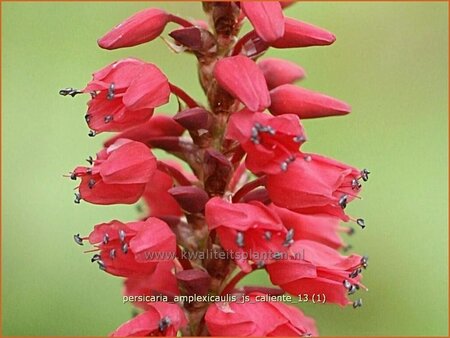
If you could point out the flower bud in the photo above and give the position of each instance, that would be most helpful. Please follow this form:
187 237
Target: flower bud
194 118
143 26
192 199
307 104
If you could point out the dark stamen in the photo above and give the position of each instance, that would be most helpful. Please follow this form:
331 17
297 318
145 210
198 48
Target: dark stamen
357 303
299 139
108 118
268 235
240 239
124 248
78 239
87 117
110 94
92 133
70 91
164 323
105 239
101 265
289 238
112 253
90 160
73 176
343 201
365 174
95 258
91 183
77 198
361 223
121 235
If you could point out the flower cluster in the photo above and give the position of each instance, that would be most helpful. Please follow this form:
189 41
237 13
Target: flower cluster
249 189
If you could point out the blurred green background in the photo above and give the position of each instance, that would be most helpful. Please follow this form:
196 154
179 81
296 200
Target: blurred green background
389 62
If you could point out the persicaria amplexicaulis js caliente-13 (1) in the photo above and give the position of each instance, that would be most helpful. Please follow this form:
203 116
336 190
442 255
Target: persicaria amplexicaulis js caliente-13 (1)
251 198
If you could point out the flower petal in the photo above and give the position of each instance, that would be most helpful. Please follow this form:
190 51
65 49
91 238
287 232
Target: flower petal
242 78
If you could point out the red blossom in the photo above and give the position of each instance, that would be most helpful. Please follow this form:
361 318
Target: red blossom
257 319
118 175
124 94
315 184
315 269
248 230
134 248
271 143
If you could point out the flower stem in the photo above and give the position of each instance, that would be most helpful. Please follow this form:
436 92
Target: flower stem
232 283
191 103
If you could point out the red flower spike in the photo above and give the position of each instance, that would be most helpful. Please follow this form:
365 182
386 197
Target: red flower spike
290 99
142 27
251 230
161 319
302 34
242 78
271 143
278 72
266 17
314 268
313 184
119 174
124 95
257 318
156 127
321 228
252 198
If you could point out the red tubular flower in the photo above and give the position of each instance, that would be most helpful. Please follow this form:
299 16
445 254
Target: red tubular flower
251 231
132 249
278 72
118 175
271 143
321 228
241 77
266 17
315 269
124 95
315 184
157 127
257 319
302 34
143 26
290 99
161 319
